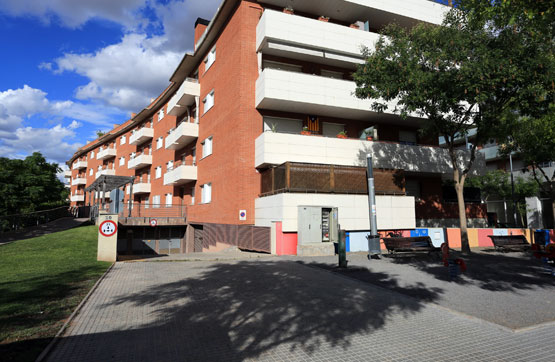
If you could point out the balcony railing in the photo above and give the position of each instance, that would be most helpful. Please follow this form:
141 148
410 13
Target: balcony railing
79 165
77 198
154 211
139 161
184 97
79 181
67 174
106 154
277 148
108 172
141 135
317 178
184 134
180 173
140 188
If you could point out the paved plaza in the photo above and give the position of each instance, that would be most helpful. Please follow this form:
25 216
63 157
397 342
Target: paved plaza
272 309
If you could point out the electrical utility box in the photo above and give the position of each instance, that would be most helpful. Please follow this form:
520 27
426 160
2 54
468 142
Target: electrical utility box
317 224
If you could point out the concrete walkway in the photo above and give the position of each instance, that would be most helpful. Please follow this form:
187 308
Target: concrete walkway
271 309
61 224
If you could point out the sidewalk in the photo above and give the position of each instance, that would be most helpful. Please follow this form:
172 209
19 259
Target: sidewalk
269 309
51 227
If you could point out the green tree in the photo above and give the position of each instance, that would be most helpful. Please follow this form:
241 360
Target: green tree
467 73
29 185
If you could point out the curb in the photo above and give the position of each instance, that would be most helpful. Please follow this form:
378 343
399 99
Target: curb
55 339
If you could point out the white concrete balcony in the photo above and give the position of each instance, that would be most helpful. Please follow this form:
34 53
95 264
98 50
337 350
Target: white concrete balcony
184 134
139 188
67 174
106 154
107 172
140 161
277 148
380 12
79 165
281 90
184 97
79 181
302 38
77 198
180 175
141 135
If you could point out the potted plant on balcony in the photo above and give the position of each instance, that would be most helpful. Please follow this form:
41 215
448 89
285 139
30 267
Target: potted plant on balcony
305 131
288 10
369 133
354 26
342 134
324 18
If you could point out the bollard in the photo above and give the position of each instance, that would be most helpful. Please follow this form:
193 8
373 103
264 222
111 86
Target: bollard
342 248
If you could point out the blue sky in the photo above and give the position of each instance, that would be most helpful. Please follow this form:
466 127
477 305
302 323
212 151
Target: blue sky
72 67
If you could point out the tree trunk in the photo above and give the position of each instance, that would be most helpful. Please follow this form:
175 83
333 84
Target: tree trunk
459 188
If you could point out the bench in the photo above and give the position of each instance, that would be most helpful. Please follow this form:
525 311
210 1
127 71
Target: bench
416 244
509 242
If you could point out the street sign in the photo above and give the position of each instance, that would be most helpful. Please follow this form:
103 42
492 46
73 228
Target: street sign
242 215
153 222
108 228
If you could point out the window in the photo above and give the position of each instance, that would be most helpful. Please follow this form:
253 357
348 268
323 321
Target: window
169 198
158 172
122 140
206 193
92 154
412 188
156 201
210 59
282 66
194 153
332 129
132 155
122 161
208 101
160 114
207 147
169 165
407 137
283 125
90 172
159 142
146 203
192 195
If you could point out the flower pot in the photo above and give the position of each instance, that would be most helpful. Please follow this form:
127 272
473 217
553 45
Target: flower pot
306 133
288 11
369 138
342 136
354 26
323 18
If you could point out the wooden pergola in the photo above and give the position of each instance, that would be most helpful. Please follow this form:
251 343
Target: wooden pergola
107 183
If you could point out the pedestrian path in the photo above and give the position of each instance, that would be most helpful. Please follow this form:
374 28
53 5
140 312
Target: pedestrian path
275 310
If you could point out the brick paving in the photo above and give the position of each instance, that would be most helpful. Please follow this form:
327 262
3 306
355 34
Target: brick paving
276 310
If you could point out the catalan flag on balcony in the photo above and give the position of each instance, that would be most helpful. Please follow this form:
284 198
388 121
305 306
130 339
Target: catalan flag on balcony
313 124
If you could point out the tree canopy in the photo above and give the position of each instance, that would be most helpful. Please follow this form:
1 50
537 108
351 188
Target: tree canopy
29 185
484 68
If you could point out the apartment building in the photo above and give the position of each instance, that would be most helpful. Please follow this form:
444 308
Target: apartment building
261 120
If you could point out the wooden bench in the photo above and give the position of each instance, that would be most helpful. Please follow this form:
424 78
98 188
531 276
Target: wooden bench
509 242
416 244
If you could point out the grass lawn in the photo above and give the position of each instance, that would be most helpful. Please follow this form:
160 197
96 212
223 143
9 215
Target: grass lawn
42 280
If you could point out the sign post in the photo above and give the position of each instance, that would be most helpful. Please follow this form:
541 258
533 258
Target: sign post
373 237
107 237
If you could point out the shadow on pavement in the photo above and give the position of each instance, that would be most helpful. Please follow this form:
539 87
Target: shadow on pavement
491 271
241 310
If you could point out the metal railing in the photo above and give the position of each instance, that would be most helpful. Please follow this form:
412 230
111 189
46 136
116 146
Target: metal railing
21 221
153 210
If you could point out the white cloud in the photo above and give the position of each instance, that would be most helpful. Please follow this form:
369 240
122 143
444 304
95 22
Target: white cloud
27 140
124 75
74 13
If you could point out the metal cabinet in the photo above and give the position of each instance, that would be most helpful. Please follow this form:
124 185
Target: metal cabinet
317 224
